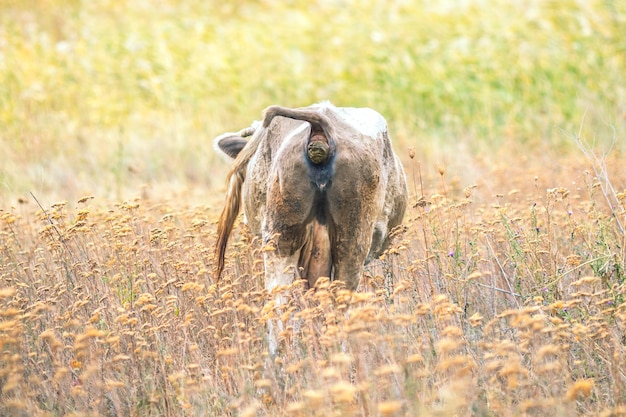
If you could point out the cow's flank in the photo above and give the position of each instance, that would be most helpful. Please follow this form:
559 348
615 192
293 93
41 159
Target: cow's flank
321 185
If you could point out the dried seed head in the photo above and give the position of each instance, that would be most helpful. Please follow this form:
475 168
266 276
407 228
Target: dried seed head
314 398
468 190
389 408
441 169
411 153
343 392
580 388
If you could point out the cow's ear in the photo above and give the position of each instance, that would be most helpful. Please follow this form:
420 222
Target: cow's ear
230 144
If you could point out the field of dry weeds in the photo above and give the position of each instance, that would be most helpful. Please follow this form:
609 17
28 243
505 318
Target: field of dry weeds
512 306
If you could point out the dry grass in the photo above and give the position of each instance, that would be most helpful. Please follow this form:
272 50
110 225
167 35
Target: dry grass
509 307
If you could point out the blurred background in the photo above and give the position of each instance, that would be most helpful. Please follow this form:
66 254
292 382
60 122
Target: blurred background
122 98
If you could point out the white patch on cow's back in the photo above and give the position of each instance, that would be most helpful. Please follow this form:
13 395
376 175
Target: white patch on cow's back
366 121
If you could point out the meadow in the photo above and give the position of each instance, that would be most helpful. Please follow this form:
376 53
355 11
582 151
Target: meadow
502 295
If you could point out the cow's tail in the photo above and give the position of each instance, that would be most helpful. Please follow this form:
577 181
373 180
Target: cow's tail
236 177
320 145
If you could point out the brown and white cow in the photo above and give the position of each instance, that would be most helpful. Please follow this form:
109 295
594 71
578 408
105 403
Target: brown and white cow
321 185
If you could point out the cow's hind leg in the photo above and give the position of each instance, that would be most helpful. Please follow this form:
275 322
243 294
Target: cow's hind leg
353 202
284 229
351 238
280 271
350 249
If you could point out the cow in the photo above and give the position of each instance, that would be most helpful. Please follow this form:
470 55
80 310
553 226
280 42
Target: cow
322 187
